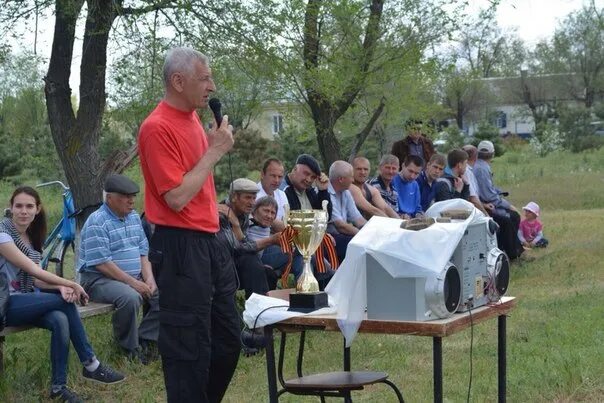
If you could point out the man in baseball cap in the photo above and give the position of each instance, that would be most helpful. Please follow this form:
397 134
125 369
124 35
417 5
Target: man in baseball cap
502 211
486 147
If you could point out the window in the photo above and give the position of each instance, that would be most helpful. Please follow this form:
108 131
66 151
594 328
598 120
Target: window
501 120
277 124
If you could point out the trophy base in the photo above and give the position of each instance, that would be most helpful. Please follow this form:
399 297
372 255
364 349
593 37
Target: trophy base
307 302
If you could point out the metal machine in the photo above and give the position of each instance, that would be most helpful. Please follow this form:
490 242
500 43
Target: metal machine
476 274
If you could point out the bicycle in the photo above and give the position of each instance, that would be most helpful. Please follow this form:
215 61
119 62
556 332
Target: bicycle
63 234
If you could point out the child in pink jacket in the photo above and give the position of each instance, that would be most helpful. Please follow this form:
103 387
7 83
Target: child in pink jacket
530 231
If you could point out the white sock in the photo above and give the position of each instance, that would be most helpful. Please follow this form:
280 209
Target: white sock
92 365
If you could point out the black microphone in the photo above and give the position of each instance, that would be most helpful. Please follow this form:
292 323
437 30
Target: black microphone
215 106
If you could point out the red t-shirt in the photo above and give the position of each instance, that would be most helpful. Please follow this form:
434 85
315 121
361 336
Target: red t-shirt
170 143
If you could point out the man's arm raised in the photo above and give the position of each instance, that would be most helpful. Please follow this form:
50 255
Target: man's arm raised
220 141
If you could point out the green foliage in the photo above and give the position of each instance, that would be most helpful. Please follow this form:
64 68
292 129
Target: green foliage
577 131
548 140
576 48
27 147
245 160
487 131
454 137
295 141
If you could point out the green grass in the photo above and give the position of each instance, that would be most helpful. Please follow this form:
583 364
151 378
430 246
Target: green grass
555 335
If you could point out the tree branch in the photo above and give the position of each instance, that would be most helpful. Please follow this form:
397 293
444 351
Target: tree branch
160 5
363 134
372 33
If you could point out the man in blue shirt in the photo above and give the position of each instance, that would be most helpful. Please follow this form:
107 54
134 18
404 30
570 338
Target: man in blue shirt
407 188
427 179
502 211
114 267
345 217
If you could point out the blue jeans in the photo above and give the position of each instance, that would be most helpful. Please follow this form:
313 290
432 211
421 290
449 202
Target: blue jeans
274 257
50 311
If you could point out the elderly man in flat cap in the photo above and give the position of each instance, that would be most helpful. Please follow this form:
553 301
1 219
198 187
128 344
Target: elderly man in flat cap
254 276
114 268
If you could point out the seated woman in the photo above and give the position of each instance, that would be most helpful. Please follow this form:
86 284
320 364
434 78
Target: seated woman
263 215
21 239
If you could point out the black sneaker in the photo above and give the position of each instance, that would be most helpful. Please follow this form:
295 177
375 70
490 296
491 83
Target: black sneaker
66 395
103 374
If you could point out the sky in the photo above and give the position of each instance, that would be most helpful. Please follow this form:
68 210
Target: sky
534 20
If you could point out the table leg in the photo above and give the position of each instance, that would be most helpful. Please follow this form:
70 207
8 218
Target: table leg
437 362
501 358
346 356
271 371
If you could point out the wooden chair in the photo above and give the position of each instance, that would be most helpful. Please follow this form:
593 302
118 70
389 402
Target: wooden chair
327 384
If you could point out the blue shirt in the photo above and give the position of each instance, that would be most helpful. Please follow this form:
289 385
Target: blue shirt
343 208
106 237
487 191
409 197
427 190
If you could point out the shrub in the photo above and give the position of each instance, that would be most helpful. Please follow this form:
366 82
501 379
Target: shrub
551 140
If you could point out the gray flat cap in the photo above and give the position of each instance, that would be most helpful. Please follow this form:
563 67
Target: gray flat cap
121 184
244 185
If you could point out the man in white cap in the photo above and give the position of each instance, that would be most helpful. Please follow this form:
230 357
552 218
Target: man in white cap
254 276
503 212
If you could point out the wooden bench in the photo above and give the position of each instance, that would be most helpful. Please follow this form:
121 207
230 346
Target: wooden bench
92 309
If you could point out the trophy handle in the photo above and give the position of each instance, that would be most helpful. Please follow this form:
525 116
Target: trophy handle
324 205
286 214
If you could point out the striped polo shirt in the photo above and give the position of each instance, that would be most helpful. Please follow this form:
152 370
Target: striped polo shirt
106 237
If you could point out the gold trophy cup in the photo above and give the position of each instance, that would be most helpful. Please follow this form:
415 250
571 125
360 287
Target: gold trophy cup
310 226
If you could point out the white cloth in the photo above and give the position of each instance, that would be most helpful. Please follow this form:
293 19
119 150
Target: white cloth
279 195
258 311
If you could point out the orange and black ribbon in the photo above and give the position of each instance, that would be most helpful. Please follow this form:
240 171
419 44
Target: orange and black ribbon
286 240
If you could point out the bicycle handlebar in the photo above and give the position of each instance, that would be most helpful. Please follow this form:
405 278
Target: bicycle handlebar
53 183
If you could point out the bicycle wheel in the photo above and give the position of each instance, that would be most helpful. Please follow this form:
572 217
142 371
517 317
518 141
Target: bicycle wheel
59 259
55 255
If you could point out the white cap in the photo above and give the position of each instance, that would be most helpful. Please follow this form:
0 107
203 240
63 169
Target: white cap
485 146
533 208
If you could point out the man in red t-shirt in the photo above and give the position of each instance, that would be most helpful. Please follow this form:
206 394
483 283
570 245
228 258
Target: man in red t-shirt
199 336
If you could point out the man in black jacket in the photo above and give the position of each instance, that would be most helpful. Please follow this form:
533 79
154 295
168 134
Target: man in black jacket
301 195
453 184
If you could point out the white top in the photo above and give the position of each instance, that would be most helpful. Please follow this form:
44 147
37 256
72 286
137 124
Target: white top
472 180
279 196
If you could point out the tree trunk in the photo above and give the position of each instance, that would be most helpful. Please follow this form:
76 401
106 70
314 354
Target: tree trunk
459 113
328 145
76 137
325 110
